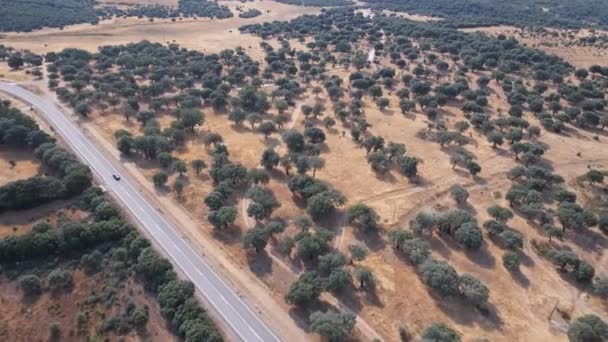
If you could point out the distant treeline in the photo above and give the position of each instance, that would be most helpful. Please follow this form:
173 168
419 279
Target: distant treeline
472 13
36 14
317 3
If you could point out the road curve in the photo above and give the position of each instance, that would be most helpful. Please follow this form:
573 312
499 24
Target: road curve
243 322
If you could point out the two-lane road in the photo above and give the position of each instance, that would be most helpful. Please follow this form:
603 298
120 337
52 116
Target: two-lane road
243 322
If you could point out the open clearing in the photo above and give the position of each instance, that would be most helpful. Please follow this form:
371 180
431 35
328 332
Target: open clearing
202 34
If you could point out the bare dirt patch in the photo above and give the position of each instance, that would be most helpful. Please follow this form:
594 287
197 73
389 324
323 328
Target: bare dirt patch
16 165
27 320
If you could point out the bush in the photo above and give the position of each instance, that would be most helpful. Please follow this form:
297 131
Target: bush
469 235
588 328
332 326
511 261
305 290
59 279
473 289
30 284
440 332
440 276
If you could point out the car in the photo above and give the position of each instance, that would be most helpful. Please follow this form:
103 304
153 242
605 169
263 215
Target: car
116 176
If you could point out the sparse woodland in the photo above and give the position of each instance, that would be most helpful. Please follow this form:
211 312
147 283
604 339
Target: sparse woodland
317 83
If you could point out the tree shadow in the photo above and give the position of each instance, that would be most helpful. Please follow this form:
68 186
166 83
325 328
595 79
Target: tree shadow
520 279
589 240
439 246
486 316
229 236
259 263
373 240
385 177
482 257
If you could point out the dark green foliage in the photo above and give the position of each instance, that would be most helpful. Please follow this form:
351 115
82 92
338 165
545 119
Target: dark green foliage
365 277
317 3
70 177
59 279
44 13
357 252
67 12
511 261
250 13
440 276
310 246
305 290
440 332
588 328
255 238
459 193
335 327
30 284
363 217
223 217
473 290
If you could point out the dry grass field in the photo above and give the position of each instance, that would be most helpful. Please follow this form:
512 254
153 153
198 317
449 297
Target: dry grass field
533 305
27 319
202 34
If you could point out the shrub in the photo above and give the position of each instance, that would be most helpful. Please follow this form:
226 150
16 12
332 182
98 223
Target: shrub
511 261
30 284
440 276
440 332
588 328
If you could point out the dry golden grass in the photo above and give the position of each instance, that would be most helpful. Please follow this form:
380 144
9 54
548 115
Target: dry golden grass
25 165
202 34
9 74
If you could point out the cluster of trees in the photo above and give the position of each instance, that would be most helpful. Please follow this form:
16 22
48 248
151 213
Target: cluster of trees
185 8
463 13
36 14
568 262
68 176
17 59
317 3
124 250
41 13
170 70
438 275
226 176
250 13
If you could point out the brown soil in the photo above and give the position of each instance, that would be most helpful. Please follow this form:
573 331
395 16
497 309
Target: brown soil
23 319
28 319
9 74
21 222
17 164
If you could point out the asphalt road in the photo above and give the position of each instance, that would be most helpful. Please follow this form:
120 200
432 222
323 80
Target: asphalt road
236 314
